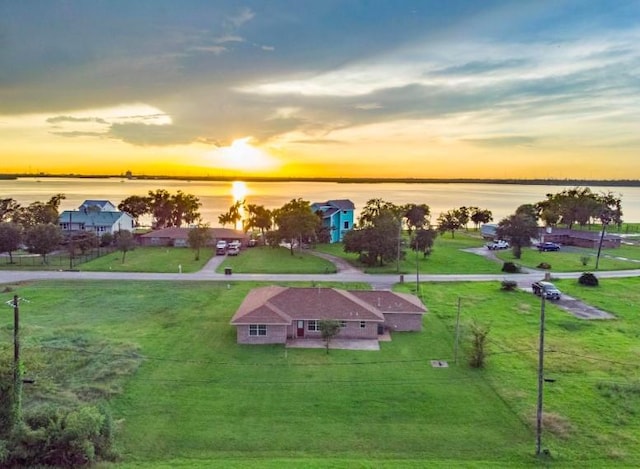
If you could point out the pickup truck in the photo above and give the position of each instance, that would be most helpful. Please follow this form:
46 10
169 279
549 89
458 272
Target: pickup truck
496 245
547 289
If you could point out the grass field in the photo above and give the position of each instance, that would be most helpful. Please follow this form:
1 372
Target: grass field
569 260
261 259
151 259
199 400
447 257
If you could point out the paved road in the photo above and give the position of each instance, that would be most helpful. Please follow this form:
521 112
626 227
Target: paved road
10 276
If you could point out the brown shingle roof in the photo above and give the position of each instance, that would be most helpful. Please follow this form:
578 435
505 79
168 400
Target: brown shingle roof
183 233
391 302
281 305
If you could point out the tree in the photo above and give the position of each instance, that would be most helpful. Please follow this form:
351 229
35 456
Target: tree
417 216
480 216
234 215
578 205
39 213
198 237
478 353
259 218
8 208
185 209
296 222
376 243
10 238
124 242
448 221
161 208
374 208
423 241
462 214
83 240
329 328
43 239
518 229
170 210
136 206
106 240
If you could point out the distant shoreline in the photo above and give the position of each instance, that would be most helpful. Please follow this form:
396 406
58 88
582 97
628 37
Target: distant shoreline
344 180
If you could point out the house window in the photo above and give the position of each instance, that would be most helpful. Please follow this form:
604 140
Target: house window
343 323
346 225
312 326
257 329
363 324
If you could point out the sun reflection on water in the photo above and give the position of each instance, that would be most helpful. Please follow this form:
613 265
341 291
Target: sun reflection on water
239 191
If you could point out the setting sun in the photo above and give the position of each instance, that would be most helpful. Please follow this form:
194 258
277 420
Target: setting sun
241 155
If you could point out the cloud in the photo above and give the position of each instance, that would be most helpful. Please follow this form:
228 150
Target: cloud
228 38
216 50
368 106
503 141
152 135
77 133
241 17
59 119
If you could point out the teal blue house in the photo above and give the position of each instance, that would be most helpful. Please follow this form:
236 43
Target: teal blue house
337 215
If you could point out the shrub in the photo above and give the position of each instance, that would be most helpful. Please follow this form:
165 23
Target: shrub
58 437
588 280
510 268
544 265
477 354
585 260
509 285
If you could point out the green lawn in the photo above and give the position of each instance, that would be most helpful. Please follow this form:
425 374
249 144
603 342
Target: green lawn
261 259
569 260
150 259
198 399
447 257
58 260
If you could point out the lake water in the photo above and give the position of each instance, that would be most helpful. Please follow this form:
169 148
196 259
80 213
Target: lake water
217 197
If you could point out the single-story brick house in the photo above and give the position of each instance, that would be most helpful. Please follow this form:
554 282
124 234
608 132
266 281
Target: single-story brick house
273 314
179 237
585 239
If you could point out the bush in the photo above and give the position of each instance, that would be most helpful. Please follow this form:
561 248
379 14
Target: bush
585 260
510 268
52 436
544 265
509 285
477 353
588 280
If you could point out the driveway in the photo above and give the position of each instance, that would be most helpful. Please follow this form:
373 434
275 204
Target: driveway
571 305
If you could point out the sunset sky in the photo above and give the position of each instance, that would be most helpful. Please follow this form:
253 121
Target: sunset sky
433 89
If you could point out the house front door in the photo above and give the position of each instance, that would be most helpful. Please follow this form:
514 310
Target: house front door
300 329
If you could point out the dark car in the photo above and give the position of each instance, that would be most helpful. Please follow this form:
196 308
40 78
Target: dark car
548 246
547 289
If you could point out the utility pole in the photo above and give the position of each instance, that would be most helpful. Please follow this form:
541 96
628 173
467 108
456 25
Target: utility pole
71 252
605 221
417 270
455 351
17 375
398 253
540 378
